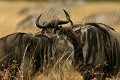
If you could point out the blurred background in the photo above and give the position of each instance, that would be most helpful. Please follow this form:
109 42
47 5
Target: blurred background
20 15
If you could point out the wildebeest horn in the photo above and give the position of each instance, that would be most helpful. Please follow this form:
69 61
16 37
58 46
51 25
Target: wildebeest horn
37 23
54 23
68 17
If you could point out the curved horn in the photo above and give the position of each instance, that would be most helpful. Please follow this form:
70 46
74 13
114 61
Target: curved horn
68 17
62 22
51 24
39 25
37 22
54 23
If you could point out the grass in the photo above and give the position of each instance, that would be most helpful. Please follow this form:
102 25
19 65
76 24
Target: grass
61 70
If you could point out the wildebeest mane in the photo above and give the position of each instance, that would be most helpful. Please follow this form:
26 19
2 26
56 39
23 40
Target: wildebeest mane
100 27
15 37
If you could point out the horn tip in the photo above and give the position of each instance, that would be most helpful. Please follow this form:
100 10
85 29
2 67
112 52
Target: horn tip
38 17
64 10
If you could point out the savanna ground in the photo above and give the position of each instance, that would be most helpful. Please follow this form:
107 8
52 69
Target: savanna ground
9 18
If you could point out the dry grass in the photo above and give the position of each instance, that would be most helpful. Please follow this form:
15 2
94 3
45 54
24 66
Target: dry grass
64 72
9 18
60 70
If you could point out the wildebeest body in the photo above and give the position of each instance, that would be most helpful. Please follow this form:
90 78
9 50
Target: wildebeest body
97 50
19 48
30 52
100 50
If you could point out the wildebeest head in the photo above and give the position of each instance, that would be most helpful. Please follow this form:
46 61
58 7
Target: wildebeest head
54 24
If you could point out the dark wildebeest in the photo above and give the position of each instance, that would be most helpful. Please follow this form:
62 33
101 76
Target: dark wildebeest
96 50
24 55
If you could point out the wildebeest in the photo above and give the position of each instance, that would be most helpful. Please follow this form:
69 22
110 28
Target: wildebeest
96 50
16 51
99 53
100 49
24 55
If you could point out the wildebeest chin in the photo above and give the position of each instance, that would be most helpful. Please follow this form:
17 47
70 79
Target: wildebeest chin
96 49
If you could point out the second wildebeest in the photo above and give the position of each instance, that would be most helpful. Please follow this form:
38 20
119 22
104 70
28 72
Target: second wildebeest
97 51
